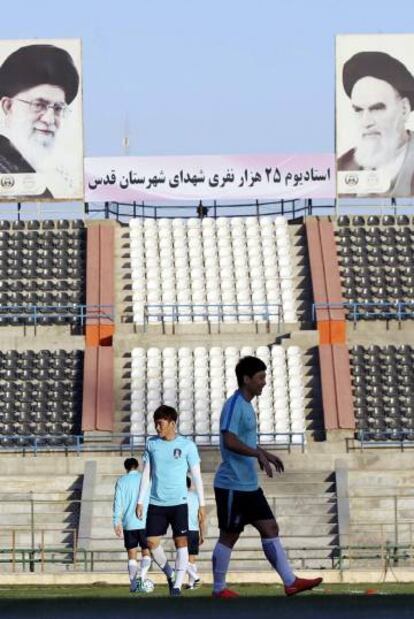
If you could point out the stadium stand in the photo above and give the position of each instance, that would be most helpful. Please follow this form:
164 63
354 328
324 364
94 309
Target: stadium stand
376 263
322 382
383 381
198 380
41 396
42 266
235 269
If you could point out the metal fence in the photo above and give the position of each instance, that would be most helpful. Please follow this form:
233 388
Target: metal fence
213 313
366 439
127 443
291 209
35 315
365 310
385 544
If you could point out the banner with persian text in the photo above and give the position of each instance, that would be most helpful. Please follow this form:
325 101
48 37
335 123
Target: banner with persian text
214 177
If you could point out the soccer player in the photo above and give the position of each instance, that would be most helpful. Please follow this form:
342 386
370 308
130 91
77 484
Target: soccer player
127 524
195 536
167 458
239 498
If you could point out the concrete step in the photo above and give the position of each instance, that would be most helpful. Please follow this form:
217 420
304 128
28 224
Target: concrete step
304 478
284 498
54 520
63 497
51 538
37 480
24 507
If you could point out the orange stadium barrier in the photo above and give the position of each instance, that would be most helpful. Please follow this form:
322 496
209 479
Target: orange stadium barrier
326 281
100 282
106 281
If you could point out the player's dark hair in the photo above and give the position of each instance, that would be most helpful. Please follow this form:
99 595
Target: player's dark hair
188 480
130 464
248 366
165 412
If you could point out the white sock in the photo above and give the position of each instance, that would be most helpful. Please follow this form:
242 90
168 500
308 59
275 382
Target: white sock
145 565
276 555
192 572
181 564
132 569
221 560
160 559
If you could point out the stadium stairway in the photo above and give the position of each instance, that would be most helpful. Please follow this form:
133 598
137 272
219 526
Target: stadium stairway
38 510
304 502
123 277
301 273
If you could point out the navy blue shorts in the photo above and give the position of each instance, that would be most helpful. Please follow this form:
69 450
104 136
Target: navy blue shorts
135 538
236 508
193 539
160 517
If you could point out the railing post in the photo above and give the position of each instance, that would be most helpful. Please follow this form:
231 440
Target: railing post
396 536
32 534
13 551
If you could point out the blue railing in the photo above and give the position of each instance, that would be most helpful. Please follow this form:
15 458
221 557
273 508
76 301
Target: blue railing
383 438
208 312
33 314
291 209
128 443
389 310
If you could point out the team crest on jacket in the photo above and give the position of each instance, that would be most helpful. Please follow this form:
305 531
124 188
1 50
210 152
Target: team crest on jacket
177 453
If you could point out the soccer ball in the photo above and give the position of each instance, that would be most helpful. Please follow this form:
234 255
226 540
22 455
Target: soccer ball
147 586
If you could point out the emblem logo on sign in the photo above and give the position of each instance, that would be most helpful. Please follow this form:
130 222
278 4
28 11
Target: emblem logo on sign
7 181
351 179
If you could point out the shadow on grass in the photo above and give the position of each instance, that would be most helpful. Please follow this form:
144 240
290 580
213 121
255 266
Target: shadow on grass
307 606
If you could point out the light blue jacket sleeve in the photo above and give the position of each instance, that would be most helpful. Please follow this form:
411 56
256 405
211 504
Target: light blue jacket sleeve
117 506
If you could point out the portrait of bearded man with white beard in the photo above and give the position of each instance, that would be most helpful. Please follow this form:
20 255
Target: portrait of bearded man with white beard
37 85
381 92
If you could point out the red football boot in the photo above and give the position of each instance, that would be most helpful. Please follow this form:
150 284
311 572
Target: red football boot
225 594
302 584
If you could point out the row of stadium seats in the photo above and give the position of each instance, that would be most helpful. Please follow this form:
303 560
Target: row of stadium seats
45 224
377 269
42 268
198 381
375 220
383 391
41 393
242 264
